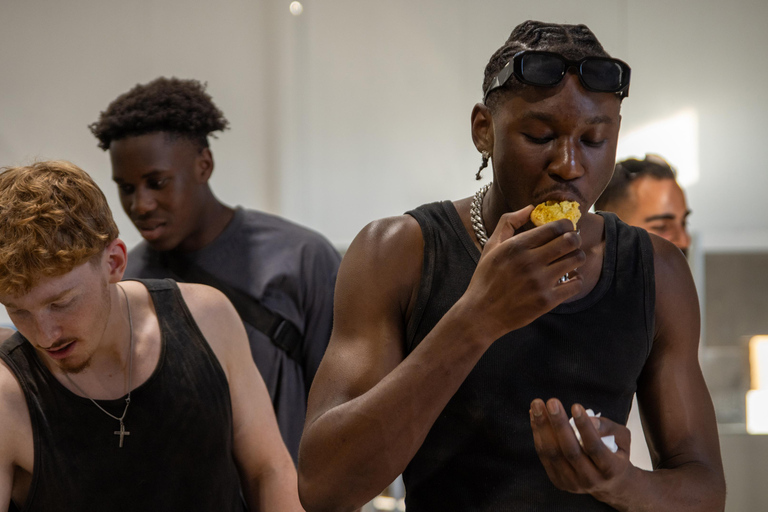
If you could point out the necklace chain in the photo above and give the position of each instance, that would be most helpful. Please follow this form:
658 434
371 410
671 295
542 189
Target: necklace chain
130 368
476 215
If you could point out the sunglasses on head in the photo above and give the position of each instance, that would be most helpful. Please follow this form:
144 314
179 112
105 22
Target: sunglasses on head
547 69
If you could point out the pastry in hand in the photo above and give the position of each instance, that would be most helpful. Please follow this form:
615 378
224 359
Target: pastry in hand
551 211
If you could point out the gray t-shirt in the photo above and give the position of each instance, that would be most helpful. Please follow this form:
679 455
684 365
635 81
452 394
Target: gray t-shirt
292 271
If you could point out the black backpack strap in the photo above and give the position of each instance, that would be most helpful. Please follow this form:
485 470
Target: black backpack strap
281 331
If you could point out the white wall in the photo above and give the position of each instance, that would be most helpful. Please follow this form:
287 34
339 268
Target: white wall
358 110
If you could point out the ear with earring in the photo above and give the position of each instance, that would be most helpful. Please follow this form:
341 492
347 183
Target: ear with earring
486 156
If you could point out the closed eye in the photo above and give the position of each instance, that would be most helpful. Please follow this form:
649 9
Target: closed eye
61 305
593 143
64 303
538 140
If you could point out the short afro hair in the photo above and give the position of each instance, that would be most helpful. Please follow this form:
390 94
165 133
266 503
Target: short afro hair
572 41
179 107
628 171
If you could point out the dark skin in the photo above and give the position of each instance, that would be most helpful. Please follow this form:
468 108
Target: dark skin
163 187
556 143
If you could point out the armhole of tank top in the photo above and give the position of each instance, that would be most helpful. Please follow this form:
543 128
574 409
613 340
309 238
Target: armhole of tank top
34 420
192 324
425 283
649 278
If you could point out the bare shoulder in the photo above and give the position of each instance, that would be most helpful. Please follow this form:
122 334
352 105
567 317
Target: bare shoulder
673 277
386 255
202 298
669 261
11 394
217 320
677 303
381 238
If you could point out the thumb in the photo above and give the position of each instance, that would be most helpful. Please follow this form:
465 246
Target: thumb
508 224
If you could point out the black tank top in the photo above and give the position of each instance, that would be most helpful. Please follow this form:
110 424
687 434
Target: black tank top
178 456
479 454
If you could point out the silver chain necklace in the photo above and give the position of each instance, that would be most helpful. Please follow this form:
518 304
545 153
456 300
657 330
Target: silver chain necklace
122 432
476 217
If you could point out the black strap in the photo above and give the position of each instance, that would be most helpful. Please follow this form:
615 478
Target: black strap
281 331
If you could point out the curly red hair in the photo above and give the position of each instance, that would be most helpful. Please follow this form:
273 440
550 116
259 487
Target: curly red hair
53 218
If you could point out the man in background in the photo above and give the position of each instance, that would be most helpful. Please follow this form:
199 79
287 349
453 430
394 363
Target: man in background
280 276
645 193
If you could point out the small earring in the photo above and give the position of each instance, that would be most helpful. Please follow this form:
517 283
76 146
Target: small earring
486 155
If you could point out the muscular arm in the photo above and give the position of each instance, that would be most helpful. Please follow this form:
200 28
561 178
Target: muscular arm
266 470
675 406
371 407
676 410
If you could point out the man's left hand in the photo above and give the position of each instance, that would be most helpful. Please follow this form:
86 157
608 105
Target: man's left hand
593 469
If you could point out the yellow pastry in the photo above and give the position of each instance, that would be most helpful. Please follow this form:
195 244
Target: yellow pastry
552 211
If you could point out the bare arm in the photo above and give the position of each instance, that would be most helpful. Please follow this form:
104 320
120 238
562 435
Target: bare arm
675 407
370 406
676 410
266 469
16 449
6 441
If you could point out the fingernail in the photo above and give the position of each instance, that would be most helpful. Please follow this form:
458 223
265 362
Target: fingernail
537 409
577 411
553 408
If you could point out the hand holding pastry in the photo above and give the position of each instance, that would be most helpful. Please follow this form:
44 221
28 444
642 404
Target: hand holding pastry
551 211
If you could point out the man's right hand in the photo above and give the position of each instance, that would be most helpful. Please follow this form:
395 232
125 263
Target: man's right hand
516 279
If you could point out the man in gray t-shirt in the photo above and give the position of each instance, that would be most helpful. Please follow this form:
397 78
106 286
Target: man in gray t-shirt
157 138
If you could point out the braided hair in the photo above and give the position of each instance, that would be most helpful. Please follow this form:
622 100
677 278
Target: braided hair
179 107
572 41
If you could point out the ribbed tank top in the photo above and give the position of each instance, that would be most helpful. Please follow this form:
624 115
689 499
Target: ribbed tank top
479 454
178 456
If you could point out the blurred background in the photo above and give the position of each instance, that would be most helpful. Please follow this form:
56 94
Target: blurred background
344 111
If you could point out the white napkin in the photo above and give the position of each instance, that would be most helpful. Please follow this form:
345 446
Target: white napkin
609 441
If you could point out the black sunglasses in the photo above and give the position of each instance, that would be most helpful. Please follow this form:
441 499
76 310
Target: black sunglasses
547 69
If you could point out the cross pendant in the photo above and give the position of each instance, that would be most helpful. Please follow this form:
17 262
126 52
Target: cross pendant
122 433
